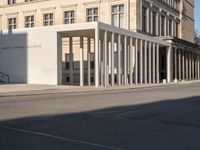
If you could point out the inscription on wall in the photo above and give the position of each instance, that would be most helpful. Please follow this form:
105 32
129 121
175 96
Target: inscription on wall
21 47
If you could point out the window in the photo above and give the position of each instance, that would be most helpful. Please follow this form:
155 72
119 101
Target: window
162 25
118 16
12 23
92 15
48 19
67 79
177 28
29 21
144 19
67 65
170 27
154 21
69 17
11 2
92 64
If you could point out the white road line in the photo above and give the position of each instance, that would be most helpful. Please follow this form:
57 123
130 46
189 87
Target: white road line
61 138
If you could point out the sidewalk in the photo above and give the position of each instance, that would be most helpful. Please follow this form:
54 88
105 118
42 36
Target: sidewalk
12 90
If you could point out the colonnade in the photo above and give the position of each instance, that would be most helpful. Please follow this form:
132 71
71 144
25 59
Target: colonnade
186 65
120 60
169 30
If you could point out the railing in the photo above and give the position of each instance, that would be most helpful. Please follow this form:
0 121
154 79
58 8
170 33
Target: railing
4 78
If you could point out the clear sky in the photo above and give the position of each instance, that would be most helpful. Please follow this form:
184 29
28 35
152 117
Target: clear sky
197 15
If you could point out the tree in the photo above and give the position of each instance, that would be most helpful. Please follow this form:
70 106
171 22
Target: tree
197 39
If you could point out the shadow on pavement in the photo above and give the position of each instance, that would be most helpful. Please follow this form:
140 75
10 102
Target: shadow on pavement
166 125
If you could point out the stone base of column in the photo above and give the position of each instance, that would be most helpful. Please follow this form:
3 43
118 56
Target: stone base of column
175 80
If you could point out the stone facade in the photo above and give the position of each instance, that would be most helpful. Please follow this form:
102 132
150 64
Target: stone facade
181 13
100 42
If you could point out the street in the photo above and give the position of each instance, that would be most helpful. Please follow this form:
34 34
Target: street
159 118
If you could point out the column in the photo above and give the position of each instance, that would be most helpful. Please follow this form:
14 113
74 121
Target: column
148 20
145 62
112 59
97 57
149 62
157 64
119 61
173 27
131 61
81 62
158 23
125 60
89 60
105 58
195 62
183 65
175 65
101 62
136 61
179 64
169 64
141 61
198 65
167 26
154 64
186 65
71 60
151 22
190 67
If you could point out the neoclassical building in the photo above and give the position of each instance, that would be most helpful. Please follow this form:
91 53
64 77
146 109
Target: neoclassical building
98 42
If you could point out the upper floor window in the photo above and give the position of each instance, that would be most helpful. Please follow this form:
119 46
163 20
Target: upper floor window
144 19
154 22
12 23
177 29
163 26
170 27
48 19
11 2
69 17
118 16
29 21
92 14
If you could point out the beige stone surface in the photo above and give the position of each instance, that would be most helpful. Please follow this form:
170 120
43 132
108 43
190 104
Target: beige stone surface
57 7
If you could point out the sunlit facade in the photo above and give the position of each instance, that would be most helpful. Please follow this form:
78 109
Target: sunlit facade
143 42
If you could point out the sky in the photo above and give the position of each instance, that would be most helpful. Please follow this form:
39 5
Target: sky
197 15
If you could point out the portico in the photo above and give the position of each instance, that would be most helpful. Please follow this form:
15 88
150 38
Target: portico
120 57
95 54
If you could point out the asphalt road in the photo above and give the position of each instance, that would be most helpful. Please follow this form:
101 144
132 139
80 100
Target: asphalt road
161 118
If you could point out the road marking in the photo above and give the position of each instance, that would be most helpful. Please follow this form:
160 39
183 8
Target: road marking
62 138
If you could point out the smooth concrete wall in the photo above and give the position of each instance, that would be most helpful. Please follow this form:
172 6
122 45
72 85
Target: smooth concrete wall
13 60
30 56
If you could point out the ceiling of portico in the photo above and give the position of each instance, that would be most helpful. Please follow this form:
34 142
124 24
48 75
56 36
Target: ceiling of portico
78 33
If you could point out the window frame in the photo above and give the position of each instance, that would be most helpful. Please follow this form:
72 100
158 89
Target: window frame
30 22
163 25
69 18
118 14
49 19
11 2
12 25
170 27
93 15
154 22
144 19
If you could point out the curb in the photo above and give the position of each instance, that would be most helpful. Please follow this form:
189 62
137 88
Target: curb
98 90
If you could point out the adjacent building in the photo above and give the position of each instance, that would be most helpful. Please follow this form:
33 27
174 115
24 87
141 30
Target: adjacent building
98 42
